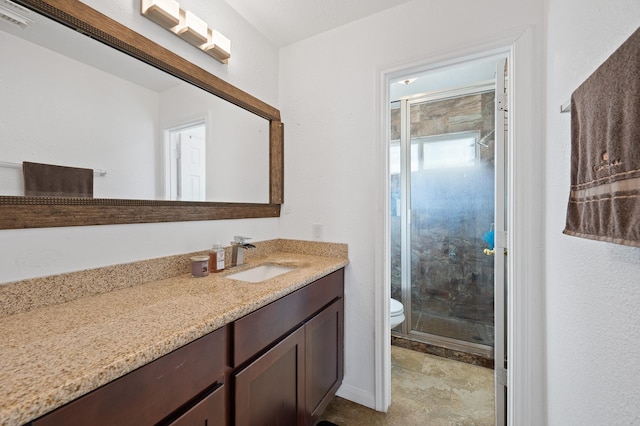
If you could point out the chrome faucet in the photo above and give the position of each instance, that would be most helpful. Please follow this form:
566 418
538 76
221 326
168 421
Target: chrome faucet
238 246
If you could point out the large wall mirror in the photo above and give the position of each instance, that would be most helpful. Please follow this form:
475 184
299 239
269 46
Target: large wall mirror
166 140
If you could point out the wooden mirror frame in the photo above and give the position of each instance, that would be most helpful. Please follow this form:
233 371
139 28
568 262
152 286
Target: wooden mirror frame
43 212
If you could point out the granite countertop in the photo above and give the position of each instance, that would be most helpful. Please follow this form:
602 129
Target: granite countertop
54 354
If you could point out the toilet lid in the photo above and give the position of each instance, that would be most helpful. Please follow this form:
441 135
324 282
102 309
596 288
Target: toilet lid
396 307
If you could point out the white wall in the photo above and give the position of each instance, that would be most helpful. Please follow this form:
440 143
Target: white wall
592 292
253 67
76 115
332 168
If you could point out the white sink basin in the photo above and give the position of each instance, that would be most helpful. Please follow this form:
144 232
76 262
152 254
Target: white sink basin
260 273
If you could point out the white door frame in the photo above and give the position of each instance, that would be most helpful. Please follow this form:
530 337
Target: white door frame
525 381
168 133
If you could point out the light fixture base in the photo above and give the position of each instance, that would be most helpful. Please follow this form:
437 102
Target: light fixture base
183 23
165 13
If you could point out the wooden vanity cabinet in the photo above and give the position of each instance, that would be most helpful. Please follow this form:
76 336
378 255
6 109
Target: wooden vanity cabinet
288 356
185 384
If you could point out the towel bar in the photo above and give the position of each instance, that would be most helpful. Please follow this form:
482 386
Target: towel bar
565 107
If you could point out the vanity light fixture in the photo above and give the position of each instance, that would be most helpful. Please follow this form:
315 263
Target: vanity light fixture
165 13
192 29
218 46
184 23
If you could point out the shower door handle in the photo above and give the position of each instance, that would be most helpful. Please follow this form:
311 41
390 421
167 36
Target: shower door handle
492 252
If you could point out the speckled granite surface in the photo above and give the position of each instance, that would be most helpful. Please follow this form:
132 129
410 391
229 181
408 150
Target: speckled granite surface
56 353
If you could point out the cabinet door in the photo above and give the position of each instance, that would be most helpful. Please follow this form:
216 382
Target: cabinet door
323 358
270 390
261 328
208 412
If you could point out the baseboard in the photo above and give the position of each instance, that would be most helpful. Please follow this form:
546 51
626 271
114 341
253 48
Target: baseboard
357 395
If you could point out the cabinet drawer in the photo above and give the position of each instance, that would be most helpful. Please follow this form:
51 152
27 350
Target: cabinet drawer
152 392
259 329
211 411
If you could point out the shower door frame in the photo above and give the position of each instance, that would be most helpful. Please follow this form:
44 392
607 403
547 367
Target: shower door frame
405 211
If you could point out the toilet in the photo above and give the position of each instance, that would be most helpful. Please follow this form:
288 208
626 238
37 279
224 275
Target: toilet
397 313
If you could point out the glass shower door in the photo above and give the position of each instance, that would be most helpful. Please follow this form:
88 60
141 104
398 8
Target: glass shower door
442 190
451 195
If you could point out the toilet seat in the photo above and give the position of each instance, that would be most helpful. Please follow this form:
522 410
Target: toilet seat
396 308
396 311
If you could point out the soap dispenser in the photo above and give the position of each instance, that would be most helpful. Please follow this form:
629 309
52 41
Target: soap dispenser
216 258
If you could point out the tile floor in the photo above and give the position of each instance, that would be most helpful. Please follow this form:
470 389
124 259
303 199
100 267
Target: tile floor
426 390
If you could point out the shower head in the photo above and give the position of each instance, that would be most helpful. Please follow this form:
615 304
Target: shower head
481 141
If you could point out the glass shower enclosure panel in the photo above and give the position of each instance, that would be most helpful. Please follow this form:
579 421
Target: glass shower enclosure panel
439 269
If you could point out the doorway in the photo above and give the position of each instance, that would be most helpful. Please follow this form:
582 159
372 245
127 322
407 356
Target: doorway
447 199
523 337
185 177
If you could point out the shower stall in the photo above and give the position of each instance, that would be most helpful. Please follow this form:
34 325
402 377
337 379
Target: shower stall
442 180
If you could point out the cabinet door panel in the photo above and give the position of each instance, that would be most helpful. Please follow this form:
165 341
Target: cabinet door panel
211 411
323 357
270 390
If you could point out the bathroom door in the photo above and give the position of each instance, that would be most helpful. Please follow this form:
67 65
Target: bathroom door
192 167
